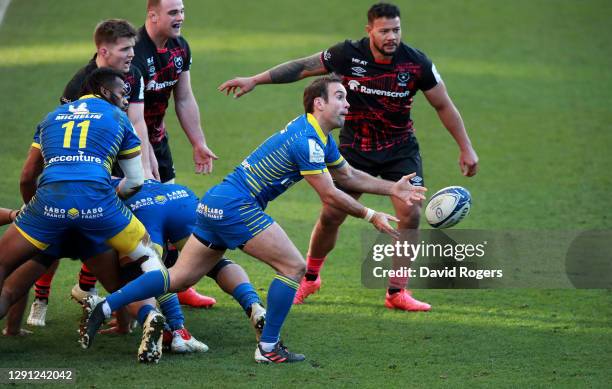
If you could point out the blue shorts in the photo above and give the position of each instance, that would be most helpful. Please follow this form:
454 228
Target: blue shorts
166 219
78 218
228 218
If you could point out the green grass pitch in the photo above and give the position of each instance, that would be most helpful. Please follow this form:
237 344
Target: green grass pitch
532 81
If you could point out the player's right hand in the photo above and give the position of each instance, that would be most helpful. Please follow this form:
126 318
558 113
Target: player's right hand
380 220
407 192
237 86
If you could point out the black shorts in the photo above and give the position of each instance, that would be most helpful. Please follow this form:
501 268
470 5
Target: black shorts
164 160
389 164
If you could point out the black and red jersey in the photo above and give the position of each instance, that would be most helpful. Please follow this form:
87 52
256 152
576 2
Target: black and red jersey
160 69
133 84
380 94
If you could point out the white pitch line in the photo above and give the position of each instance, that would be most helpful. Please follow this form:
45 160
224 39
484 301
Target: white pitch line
3 7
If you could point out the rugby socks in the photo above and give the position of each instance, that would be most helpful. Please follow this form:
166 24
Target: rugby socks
313 267
42 286
87 281
150 284
143 312
171 308
246 296
280 298
392 291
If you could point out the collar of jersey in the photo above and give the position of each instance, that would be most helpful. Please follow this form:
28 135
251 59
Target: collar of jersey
91 96
315 124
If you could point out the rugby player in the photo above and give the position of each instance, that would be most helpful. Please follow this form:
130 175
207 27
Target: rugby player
231 214
382 75
115 40
74 148
163 57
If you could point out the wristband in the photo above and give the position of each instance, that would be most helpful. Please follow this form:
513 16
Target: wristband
369 214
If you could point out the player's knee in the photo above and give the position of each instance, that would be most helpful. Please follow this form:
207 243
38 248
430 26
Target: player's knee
222 264
410 217
295 269
331 218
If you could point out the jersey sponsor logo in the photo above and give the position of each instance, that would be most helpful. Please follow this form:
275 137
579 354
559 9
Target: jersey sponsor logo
78 113
316 153
326 55
359 61
356 86
358 71
74 158
177 194
73 213
156 86
54 213
209 212
146 201
160 199
91 213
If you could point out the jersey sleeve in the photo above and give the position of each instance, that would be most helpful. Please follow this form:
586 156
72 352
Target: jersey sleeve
309 156
187 57
334 58
135 85
333 158
36 140
430 76
131 142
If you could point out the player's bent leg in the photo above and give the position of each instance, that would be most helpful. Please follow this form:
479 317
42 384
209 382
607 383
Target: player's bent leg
233 280
18 284
274 247
194 262
16 247
397 297
322 242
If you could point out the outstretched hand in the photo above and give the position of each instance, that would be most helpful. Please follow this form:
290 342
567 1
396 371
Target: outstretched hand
237 86
407 192
380 220
203 159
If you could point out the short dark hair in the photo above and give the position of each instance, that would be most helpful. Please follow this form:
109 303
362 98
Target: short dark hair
110 30
101 77
318 88
383 10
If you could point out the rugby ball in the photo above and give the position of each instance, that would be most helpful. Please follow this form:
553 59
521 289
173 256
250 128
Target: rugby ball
448 206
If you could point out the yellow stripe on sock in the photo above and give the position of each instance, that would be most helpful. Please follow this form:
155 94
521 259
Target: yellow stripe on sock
287 281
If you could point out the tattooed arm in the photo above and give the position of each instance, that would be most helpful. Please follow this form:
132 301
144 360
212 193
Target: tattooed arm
281 74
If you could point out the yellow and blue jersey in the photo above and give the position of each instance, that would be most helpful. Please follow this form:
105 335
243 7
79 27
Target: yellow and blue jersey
231 213
301 148
80 141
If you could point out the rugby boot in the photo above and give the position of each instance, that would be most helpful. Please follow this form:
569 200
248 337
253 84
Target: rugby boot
184 342
306 289
38 313
194 299
257 316
279 354
403 300
79 294
91 321
150 349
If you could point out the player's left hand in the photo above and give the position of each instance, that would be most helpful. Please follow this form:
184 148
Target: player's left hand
407 192
468 162
203 158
